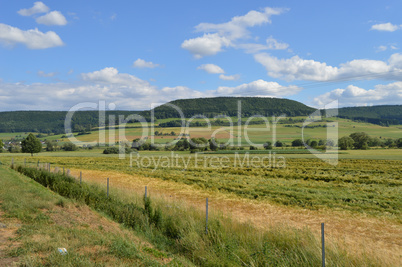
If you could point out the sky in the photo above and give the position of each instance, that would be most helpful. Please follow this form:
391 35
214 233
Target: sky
55 55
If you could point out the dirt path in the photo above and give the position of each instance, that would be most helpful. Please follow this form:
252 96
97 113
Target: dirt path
360 234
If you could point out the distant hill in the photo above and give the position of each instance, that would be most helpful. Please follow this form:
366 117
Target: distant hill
250 106
53 121
381 115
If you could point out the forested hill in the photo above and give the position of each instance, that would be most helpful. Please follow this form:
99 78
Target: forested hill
211 107
52 121
382 115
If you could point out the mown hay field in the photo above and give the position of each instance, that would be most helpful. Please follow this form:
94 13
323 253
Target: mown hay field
359 198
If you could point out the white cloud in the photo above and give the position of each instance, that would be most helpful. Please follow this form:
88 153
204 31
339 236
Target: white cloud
296 68
207 45
38 7
44 74
140 63
258 88
273 44
382 48
33 39
237 27
388 27
211 68
218 36
252 48
352 95
52 18
111 76
126 91
229 77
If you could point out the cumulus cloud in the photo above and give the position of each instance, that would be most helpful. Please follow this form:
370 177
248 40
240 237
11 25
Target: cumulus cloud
125 81
258 88
33 39
352 95
273 44
218 36
387 27
140 63
214 69
211 68
296 68
125 90
207 45
229 77
52 18
38 7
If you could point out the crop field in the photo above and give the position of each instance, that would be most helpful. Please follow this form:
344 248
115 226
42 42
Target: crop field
369 186
258 134
365 186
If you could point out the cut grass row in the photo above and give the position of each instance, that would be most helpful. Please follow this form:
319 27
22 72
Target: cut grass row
364 186
182 231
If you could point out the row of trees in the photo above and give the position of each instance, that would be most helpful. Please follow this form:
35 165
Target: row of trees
362 140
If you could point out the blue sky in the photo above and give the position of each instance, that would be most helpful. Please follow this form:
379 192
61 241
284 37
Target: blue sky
56 54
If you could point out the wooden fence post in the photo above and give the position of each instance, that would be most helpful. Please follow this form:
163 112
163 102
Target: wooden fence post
107 187
323 244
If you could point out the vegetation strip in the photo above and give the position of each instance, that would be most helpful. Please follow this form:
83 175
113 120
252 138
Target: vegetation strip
183 232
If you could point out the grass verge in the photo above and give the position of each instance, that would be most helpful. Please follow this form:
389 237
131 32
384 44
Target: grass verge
41 221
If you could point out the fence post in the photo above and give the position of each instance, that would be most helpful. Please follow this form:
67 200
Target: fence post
12 161
25 162
107 187
80 177
49 167
145 191
323 244
206 217
63 171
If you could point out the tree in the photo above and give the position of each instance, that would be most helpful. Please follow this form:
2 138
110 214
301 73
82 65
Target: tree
69 147
268 145
345 143
374 142
279 144
31 145
390 142
399 143
313 144
360 140
213 144
51 146
297 142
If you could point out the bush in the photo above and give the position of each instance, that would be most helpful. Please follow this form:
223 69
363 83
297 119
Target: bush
69 147
111 150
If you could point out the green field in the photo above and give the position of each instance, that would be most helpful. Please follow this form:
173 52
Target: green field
257 134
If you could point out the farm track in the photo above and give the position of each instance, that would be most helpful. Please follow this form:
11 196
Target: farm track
361 234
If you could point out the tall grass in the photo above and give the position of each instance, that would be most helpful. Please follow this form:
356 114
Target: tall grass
182 230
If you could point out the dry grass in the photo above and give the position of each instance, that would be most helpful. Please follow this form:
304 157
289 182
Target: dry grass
359 233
